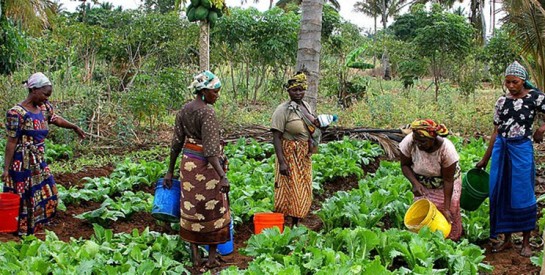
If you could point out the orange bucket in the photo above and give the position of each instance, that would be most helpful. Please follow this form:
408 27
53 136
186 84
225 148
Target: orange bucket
9 212
268 220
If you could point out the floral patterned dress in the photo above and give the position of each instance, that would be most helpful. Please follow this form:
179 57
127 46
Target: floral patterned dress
30 176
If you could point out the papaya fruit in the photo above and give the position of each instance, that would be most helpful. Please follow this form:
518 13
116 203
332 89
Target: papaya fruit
206 3
212 18
191 15
201 13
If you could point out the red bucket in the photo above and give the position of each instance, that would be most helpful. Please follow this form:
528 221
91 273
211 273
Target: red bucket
268 220
9 212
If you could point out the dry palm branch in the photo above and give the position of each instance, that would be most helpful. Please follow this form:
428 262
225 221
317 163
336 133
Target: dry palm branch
387 138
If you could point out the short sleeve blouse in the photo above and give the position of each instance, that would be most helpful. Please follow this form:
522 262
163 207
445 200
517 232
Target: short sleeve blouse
514 117
429 164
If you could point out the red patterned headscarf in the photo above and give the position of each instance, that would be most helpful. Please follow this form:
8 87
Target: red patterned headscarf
429 128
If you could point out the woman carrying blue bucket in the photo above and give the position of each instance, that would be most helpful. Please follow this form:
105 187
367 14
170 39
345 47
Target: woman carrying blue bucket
512 172
205 215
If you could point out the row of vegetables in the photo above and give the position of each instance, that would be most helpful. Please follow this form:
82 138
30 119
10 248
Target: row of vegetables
363 229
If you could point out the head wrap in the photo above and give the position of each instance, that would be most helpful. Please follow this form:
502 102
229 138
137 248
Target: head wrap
37 80
205 80
429 128
298 80
519 71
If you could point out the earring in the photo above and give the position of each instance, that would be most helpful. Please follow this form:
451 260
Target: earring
202 97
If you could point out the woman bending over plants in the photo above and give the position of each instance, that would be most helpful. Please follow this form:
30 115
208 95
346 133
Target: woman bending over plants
430 163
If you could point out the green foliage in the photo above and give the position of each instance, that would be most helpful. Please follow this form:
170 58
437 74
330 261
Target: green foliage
105 253
361 251
500 51
13 46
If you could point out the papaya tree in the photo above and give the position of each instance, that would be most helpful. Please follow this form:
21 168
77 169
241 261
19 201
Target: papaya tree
207 13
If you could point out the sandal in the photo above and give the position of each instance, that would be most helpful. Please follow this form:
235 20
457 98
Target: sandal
501 247
207 266
526 252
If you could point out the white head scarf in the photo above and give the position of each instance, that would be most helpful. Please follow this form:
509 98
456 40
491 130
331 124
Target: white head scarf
37 80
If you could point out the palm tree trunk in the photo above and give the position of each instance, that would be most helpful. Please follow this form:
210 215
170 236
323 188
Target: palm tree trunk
204 46
385 58
309 46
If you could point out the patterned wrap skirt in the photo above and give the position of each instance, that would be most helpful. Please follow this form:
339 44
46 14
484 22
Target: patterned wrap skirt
293 193
205 215
437 196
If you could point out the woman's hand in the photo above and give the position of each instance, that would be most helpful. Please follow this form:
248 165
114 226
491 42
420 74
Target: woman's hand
447 214
5 176
167 180
482 164
80 132
419 190
284 169
225 185
538 136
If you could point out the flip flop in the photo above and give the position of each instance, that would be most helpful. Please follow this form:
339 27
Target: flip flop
526 252
501 247
206 266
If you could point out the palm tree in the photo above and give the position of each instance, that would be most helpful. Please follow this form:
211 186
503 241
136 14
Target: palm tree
370 8
309 46
33 15
527 18
283 3
386 9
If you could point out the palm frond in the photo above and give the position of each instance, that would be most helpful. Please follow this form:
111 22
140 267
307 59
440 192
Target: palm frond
527 21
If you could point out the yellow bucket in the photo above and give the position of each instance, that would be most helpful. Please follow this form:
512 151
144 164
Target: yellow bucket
424 213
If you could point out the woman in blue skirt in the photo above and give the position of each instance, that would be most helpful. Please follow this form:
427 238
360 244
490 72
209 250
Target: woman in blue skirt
512 171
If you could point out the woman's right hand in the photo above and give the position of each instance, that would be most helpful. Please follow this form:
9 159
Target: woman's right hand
167 180
419 190
482 164
284 169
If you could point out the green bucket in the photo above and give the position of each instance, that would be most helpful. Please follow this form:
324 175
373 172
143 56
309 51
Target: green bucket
474 189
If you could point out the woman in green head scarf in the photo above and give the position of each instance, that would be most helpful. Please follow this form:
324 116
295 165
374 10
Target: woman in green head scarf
205 215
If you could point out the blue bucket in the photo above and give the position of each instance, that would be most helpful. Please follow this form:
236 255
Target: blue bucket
166 202
225 248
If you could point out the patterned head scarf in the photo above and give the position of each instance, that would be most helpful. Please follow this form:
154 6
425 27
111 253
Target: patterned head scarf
298 80
518 70
37 80
429 128
205 80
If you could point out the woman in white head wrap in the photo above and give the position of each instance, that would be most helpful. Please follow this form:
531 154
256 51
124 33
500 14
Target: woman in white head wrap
512 170
205 215
25 171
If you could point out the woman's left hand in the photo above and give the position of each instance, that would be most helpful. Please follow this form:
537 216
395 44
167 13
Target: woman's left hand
448 215
538 136
80 132
225 186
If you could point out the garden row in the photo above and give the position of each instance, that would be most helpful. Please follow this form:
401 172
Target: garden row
363 228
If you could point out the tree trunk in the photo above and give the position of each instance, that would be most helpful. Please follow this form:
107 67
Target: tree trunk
309 47
204 46
385 58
